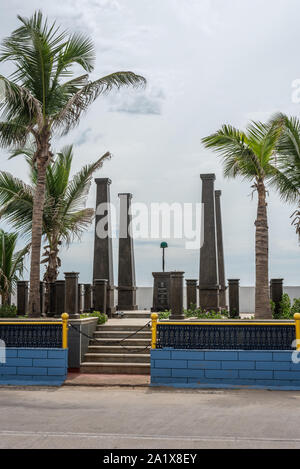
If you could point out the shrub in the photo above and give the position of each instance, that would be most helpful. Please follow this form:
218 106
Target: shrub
286 310
102 317
296 306
201 314
164 315
8 311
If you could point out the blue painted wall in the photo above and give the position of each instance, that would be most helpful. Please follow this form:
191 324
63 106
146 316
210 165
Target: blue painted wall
224 369
34 366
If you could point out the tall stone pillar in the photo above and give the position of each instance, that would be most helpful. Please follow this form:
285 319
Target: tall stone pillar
59 297
22 297
176 296
99 295
220 251
191 293
126 271
209 280
103 257
71 294
276 292
234 297
87 304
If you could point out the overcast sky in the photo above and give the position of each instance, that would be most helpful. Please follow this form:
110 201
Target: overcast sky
207 62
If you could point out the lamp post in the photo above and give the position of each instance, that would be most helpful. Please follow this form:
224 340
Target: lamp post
163 246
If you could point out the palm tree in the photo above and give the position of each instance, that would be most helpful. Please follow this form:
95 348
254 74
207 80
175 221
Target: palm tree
252 155
11 264
288 162
65 214
41 98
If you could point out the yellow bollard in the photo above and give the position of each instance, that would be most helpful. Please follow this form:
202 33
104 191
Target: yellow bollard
297 324
65 318
154 318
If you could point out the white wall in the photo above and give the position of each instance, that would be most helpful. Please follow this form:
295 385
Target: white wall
247 297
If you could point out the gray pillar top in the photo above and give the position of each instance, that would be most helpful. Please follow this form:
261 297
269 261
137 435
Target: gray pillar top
233 280
218 193
72 274
127 194
277 280
106 181
211 176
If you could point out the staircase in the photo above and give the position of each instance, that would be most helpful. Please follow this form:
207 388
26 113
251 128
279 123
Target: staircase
108 356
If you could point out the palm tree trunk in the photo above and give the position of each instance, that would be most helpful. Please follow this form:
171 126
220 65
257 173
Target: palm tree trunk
262 291
42 160
51 274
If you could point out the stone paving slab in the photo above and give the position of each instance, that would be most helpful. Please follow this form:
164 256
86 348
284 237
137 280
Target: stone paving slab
127 322
82 379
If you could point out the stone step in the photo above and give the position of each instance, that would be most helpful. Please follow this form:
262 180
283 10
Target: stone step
113 342
124 357
122 327
134 314
115 368
122 334
117 349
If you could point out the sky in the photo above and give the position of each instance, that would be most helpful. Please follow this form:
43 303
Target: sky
207 63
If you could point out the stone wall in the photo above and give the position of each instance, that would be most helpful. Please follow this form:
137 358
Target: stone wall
224 369
34 367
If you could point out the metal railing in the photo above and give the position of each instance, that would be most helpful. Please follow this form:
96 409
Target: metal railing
35 334
226 335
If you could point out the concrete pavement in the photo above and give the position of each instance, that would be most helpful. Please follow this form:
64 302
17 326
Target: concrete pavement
89 417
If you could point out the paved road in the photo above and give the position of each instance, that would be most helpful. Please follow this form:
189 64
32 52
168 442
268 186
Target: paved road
83 417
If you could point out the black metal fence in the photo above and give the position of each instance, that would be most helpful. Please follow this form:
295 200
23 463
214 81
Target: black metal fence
31 336
225 337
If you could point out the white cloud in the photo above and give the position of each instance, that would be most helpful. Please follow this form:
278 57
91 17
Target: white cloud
207 62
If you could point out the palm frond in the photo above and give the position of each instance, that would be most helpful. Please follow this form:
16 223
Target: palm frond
81 100
79 186
233 146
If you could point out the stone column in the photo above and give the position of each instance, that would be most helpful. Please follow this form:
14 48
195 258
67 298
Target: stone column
42 297
191 293
71 294
176 296
220 251
209 280
22 297
52 299
79 298
103 257
87 297
276 292
60 297
126 271
234 297
99 295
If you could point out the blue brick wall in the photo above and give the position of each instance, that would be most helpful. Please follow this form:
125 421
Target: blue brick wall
35 367
224 369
